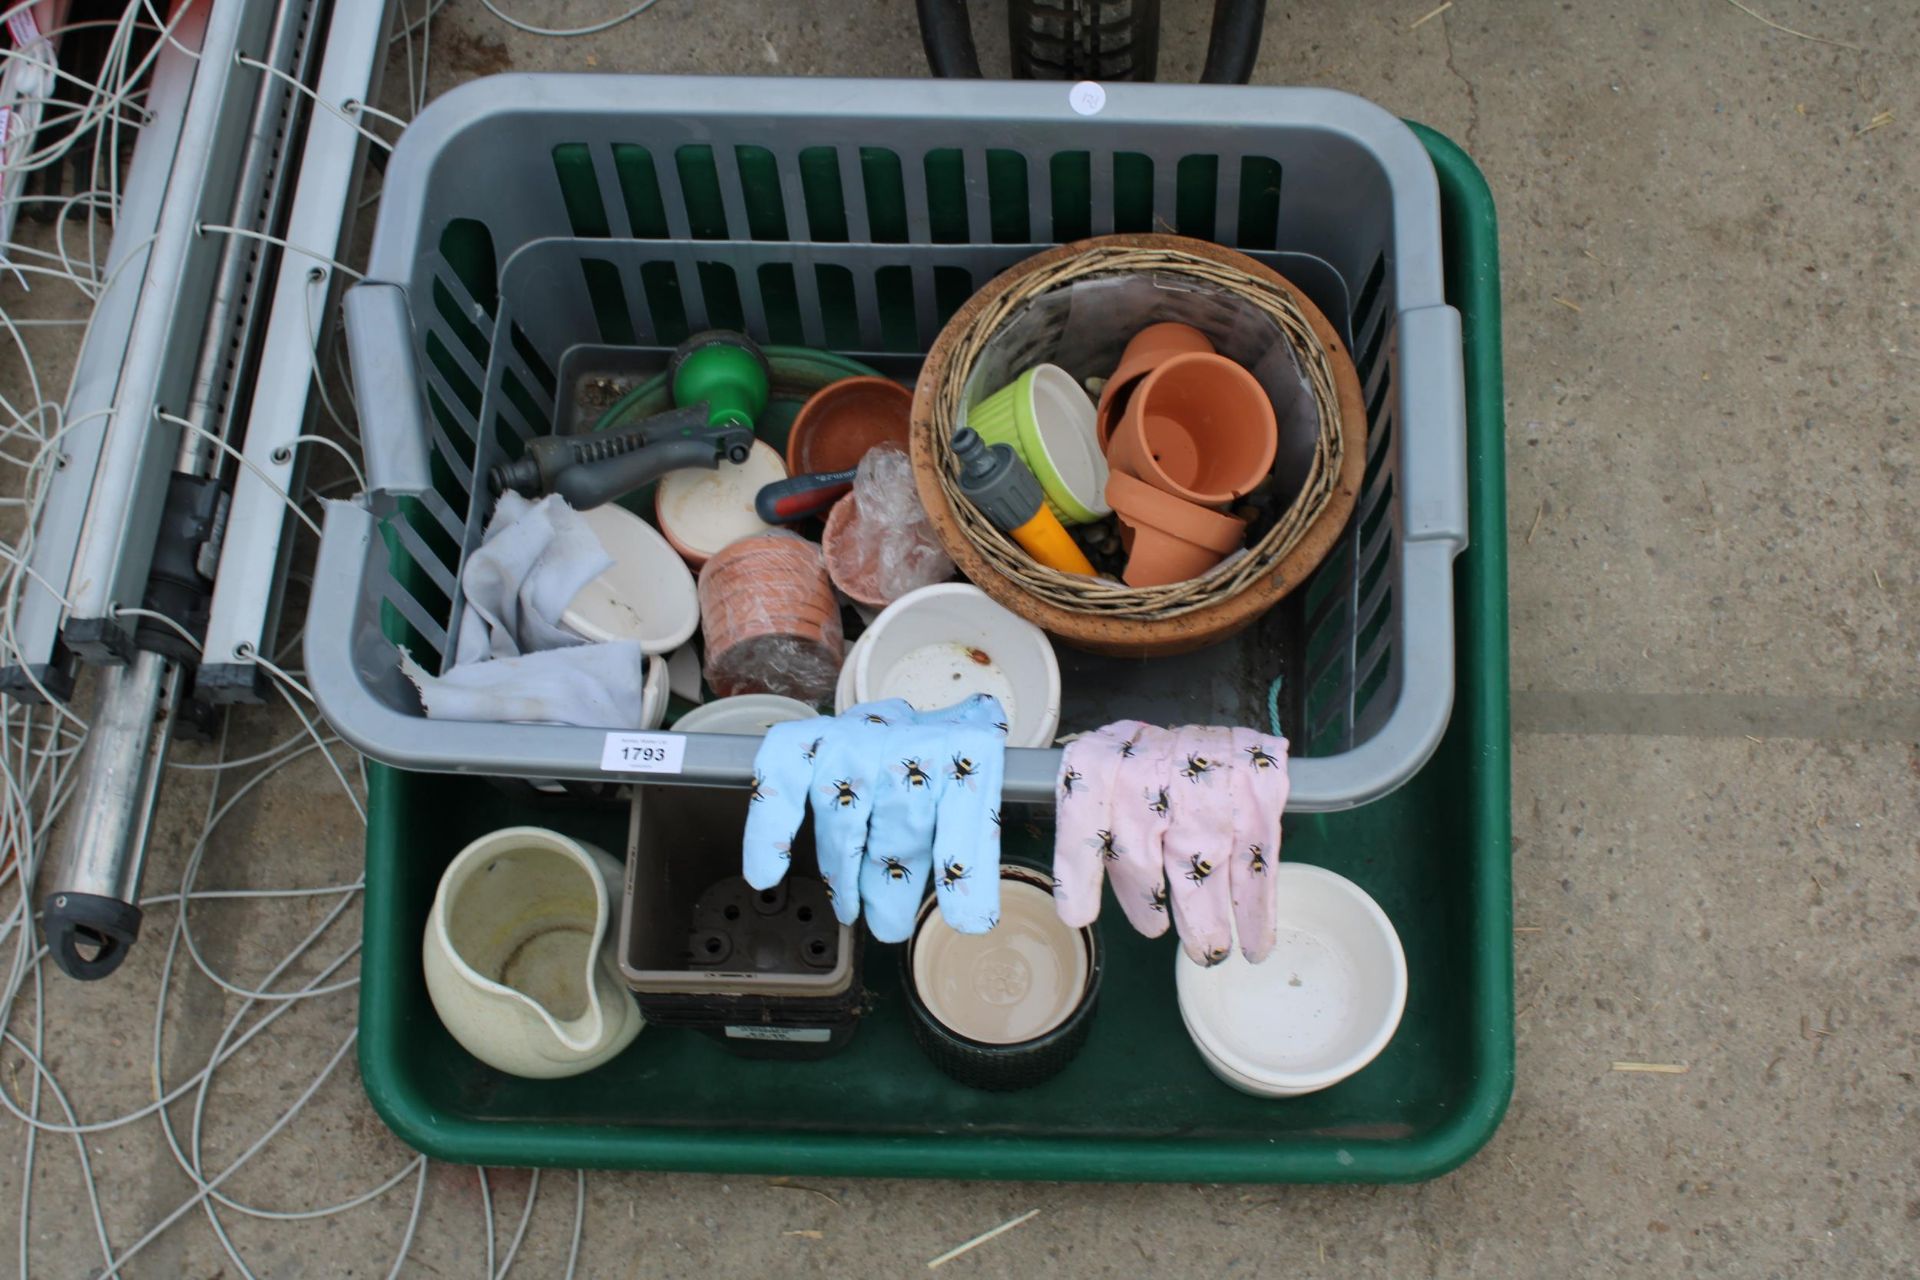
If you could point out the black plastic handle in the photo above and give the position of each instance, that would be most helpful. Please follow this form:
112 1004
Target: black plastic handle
106 927
588 484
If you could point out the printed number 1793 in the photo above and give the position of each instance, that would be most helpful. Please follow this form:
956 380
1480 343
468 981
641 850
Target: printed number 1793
643 753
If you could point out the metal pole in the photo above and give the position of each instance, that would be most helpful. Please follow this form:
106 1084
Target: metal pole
252 577
40 661
90 895
115 554
91 912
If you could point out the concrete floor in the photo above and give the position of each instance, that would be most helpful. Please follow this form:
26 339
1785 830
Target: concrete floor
1710 287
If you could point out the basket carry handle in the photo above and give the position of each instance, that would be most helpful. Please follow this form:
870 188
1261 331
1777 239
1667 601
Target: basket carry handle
388 388
1433 417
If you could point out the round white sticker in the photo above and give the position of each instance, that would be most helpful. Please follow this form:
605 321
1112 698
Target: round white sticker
1087 97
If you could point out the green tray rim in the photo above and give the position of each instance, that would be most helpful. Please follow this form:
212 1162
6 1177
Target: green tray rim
1471 243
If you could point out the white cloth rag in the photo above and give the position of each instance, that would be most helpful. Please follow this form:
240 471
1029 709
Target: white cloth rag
514 661
532 561
599 686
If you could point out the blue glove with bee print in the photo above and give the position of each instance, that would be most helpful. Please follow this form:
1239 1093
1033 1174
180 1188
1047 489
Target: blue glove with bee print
902 799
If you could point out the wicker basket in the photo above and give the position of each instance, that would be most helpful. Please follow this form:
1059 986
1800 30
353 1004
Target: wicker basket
1097 613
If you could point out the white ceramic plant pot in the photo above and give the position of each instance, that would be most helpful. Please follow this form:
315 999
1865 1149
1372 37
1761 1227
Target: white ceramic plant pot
943 643
843 690
653 694
518 959
683 674
646 595
1315 1011
749 714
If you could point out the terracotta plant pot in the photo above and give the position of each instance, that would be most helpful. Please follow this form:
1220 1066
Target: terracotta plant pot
843 420
770 620
1200 427
1150 348
1168 539
850 571
1142 637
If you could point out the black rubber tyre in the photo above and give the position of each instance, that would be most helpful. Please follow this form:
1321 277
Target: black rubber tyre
1084 39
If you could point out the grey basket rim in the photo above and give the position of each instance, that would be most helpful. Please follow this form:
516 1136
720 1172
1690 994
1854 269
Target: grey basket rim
1393 754
1431 523
1403 161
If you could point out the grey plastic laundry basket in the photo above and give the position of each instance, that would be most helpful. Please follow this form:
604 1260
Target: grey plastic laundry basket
530 218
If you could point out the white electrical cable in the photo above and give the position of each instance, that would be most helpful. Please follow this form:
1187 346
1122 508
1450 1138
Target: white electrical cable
317 277
486 1216
242 59
406 58
17 917
121 1260
130 611
413 1222
357 106
435 7
40 746
519 1232
567 33
220 766
579 1219
102 104
358 475
201 228
419 99
243 460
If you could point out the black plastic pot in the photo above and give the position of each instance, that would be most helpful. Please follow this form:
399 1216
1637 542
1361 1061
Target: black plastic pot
768 973
1003 1066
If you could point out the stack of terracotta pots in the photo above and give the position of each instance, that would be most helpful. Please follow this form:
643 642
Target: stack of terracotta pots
771 622
1187 431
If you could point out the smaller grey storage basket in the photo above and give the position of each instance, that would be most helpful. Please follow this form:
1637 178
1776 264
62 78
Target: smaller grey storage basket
529 219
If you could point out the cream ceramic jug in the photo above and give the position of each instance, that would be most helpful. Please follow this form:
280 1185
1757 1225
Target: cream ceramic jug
518 959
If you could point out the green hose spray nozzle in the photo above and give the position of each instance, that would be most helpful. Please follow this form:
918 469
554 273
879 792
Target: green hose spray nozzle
726 370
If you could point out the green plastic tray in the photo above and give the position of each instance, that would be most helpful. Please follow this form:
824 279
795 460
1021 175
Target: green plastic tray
1138 1104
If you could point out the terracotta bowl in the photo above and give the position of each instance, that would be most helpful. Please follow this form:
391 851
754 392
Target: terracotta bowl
843 420
849 571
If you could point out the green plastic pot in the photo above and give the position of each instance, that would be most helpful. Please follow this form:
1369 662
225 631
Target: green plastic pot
1046 418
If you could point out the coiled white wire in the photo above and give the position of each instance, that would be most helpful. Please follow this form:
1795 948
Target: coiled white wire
40 745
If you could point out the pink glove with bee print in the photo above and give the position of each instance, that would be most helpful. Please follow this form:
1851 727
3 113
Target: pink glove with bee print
1183 822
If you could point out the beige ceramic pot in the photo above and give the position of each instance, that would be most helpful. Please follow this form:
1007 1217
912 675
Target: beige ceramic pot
517 958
